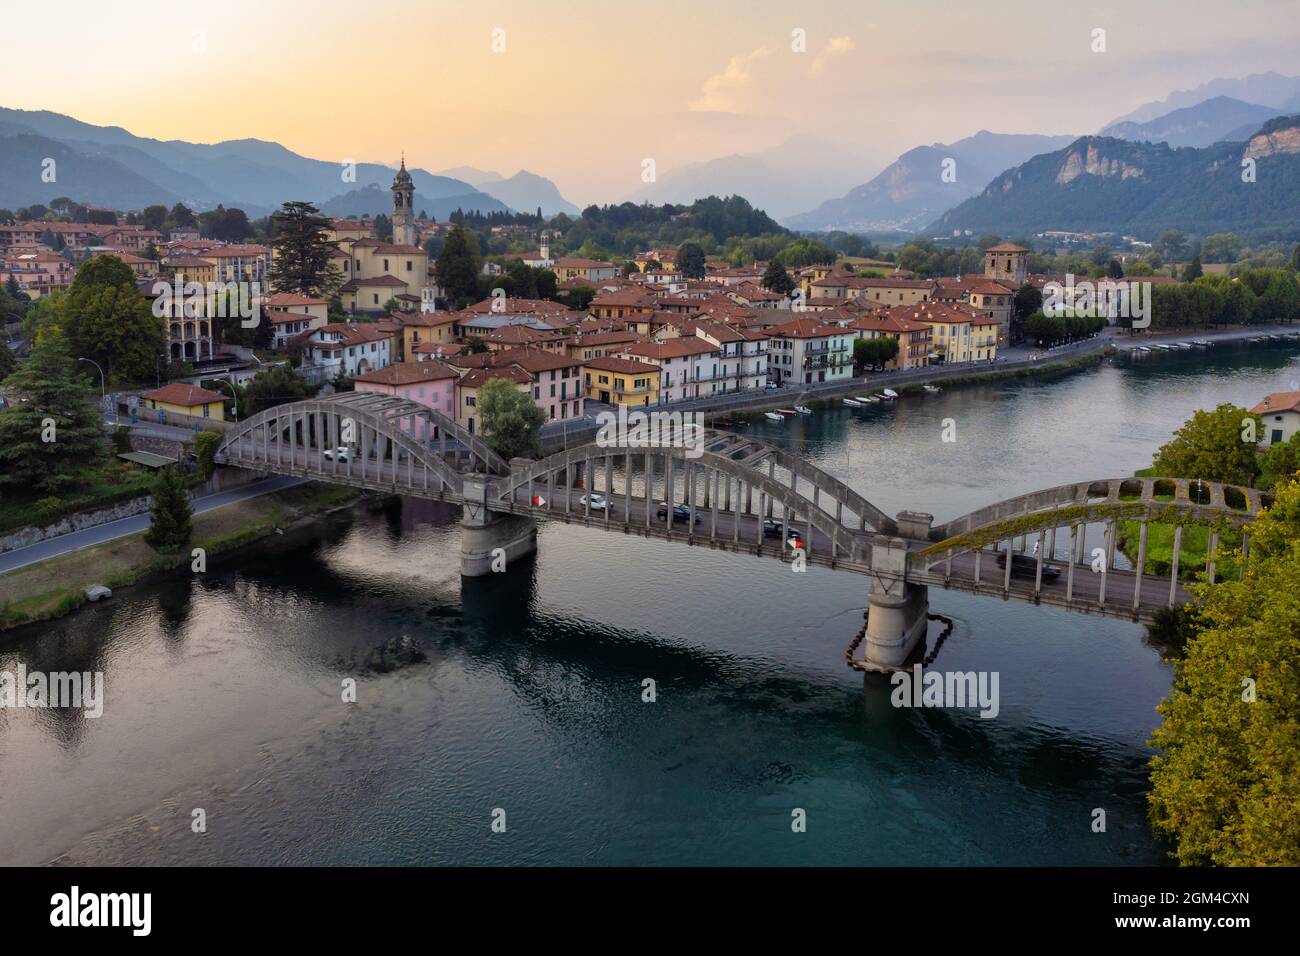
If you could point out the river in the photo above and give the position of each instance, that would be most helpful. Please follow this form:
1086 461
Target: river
223 688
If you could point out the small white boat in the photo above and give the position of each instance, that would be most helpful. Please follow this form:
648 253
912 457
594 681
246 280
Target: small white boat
773 416
932 389
1143 349
890 394
852 403
803 409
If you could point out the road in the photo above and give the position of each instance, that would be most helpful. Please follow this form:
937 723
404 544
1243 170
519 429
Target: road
110 531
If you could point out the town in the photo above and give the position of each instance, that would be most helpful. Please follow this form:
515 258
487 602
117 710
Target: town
439 435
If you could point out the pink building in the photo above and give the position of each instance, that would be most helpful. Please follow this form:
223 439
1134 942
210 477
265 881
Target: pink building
431 383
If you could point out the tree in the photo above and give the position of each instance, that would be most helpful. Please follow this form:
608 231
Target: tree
1212 446
690 260
776 279
304 255
1221 247
1115 269
153 217
1029 299
106 319
169 516
511 420
205 450
46 440
1295 259
458 267
7 361
870 353
181 218
1279 463
275 386
1226 777
1193 270
383 228
1172 245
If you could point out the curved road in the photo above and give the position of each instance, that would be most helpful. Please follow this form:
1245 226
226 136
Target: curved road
109 531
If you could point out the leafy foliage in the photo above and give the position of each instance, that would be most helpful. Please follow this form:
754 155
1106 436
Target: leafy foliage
303 261
105 318
1226 778
1212 446
58 407
511 420
169 525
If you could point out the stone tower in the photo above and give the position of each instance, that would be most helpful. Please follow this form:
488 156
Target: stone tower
403 215
1007 262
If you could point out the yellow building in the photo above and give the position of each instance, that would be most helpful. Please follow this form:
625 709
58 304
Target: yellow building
617 381
471 381
423 328
959 333
178 398
189 268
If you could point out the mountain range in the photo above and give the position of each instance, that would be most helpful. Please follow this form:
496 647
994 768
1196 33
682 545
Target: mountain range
781 180
1220 118
1264 89
108 166
524 191
1105 184
912 190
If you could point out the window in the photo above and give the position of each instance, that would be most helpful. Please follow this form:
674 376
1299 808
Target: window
385 265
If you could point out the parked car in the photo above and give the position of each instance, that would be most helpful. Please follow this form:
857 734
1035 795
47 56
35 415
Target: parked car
772 529
342 453
598 502
1026 566
680 513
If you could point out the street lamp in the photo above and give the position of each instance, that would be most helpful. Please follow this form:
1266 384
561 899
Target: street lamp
103 394
233 393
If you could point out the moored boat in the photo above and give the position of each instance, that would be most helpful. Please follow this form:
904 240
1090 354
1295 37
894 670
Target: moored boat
889 394
803 409
773 416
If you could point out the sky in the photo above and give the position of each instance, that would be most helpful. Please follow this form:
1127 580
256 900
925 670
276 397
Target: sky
585 92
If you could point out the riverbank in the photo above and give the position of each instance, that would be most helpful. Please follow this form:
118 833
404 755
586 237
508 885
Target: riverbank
55 587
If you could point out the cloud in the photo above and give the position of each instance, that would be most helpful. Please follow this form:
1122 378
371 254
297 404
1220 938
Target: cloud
836 46
729 90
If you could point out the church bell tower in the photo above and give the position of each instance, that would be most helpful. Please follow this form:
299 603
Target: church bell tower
403 216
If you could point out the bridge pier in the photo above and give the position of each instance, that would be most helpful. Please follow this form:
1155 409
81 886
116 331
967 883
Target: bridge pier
486 536
899 610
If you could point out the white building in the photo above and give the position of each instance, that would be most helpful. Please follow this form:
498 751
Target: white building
1280 413
342 348
806 352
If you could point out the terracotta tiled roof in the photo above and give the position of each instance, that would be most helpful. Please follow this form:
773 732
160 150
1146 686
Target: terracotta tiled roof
178 393
410 373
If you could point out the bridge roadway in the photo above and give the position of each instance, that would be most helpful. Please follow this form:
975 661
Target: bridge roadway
724 529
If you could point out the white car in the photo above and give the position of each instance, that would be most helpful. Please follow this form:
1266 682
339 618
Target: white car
341 453
598 502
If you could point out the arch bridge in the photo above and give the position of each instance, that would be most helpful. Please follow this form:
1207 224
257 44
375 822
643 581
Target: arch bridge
721 490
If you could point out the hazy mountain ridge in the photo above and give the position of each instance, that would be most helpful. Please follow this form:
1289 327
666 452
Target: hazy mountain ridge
253 174
1265 89
1104 184
912 190
1218 119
